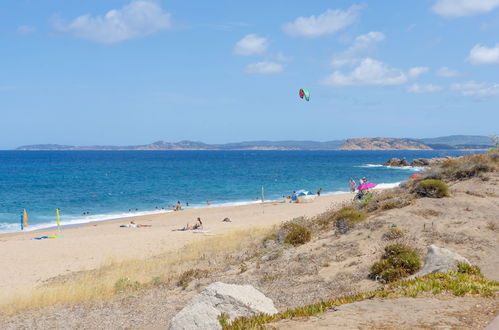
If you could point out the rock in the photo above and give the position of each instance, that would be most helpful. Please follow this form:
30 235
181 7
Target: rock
342 226
395 162
235 300
440 260
419 162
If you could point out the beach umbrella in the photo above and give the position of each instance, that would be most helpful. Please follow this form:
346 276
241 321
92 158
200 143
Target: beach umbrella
415 176
366 186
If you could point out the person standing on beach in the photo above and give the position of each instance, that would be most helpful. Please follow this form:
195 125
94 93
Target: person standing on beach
352 185
319 192
178 207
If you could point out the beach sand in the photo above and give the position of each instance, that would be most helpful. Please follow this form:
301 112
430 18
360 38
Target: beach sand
27 263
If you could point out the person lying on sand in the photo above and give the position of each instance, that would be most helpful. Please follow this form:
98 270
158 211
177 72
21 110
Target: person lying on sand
134 225
198 224
226 220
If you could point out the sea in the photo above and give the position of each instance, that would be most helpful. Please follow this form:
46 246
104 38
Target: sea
99 185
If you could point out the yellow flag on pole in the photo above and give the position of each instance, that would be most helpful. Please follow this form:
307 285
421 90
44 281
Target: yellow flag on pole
57 217
25 218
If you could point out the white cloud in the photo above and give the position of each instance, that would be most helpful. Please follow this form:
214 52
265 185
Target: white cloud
136 19
459 8
484 55
429 88
25 29
251 45
477 89
368 72
361 46
328 22
447 73
417 71
264 68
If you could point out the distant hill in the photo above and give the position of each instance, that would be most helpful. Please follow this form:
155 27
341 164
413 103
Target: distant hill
192 145
380 143
458 142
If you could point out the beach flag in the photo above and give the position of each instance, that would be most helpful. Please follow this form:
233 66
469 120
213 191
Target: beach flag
24 220
263 195
57 218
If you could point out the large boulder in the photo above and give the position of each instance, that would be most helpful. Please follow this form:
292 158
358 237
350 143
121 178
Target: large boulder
235 300
440 260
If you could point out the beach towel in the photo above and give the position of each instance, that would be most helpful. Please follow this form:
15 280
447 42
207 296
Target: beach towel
45 237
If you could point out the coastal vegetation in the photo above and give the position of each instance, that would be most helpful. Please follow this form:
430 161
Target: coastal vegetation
296 234
393 233
398 261
467 280
431 188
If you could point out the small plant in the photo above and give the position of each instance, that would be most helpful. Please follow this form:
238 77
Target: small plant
468 269
296 234
431 188
243 267
398 261
393 233
126 284
224 320
189 275
491 226
156 280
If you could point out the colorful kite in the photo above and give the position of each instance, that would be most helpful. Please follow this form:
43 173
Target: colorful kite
304 93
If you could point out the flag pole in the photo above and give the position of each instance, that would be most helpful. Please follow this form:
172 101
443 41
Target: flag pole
263 199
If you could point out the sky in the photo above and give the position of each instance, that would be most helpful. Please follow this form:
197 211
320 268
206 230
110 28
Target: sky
124 72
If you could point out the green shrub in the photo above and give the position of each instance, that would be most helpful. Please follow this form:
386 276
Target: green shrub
296 234
431 188
468 269
393 233
398 261
189 275
351 215
126 284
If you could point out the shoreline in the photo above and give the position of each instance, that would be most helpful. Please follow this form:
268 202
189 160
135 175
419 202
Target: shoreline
92 245
125 216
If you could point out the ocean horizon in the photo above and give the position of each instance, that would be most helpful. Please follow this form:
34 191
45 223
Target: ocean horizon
92 186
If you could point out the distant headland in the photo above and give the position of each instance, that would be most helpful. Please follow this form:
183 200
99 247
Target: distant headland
379 143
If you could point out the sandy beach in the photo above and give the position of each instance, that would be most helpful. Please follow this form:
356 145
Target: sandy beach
30 262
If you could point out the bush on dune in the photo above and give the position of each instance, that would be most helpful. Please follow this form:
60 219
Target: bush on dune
296 234
430 188
398 261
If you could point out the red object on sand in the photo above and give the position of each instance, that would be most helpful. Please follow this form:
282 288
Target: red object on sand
415 176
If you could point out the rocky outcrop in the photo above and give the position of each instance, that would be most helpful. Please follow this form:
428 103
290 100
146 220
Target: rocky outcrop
440 260
417 162
383 144
395 162
235 300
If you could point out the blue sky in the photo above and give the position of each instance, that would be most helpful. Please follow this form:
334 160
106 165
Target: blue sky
135 71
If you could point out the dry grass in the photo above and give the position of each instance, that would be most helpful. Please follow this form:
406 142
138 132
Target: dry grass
427 213
136 274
